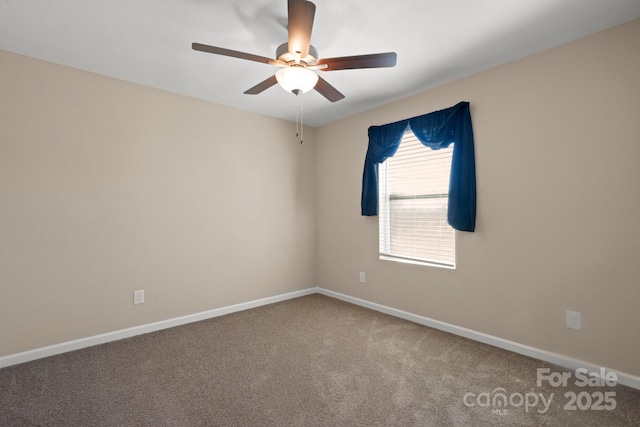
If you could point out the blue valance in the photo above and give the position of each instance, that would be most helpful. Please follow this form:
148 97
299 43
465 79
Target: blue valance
435 130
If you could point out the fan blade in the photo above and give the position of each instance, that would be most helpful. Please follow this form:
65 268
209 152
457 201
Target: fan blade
262 86
325 89
301 14
233 53
375 60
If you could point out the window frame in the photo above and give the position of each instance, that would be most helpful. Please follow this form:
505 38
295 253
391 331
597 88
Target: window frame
384 216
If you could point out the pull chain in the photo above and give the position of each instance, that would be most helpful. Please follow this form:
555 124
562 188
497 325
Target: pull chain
300 120
297 121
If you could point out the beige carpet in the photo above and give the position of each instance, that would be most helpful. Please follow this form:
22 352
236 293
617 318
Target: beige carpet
311 361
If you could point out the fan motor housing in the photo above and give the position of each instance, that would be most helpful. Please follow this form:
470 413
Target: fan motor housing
283 54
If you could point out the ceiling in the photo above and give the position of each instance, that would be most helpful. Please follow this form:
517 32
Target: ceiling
437 41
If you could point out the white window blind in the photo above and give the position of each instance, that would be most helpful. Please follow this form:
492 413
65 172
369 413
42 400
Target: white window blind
413 199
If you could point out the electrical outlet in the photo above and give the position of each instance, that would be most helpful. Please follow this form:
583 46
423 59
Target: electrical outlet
362 277
574 320
138 297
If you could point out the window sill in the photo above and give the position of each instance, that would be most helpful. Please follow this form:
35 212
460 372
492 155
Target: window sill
416 262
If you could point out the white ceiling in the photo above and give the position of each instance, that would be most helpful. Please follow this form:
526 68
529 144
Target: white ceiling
437 41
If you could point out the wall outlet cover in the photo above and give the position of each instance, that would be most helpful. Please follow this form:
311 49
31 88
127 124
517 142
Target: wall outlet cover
574 320
138 297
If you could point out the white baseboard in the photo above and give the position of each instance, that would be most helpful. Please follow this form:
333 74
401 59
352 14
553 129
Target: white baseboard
556 359
39 353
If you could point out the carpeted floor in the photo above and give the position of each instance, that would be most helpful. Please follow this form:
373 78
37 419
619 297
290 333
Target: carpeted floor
311 361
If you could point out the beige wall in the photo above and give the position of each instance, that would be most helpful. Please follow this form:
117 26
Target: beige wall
558 226
107 187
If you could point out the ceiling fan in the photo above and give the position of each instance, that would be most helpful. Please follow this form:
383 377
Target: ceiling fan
298 59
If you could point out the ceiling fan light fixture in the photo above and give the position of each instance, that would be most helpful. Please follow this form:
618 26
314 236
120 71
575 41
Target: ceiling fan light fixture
296 79
298 59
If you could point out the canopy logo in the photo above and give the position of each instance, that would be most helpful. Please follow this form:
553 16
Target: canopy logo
499 401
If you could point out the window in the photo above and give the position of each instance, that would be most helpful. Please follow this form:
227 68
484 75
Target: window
413 197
